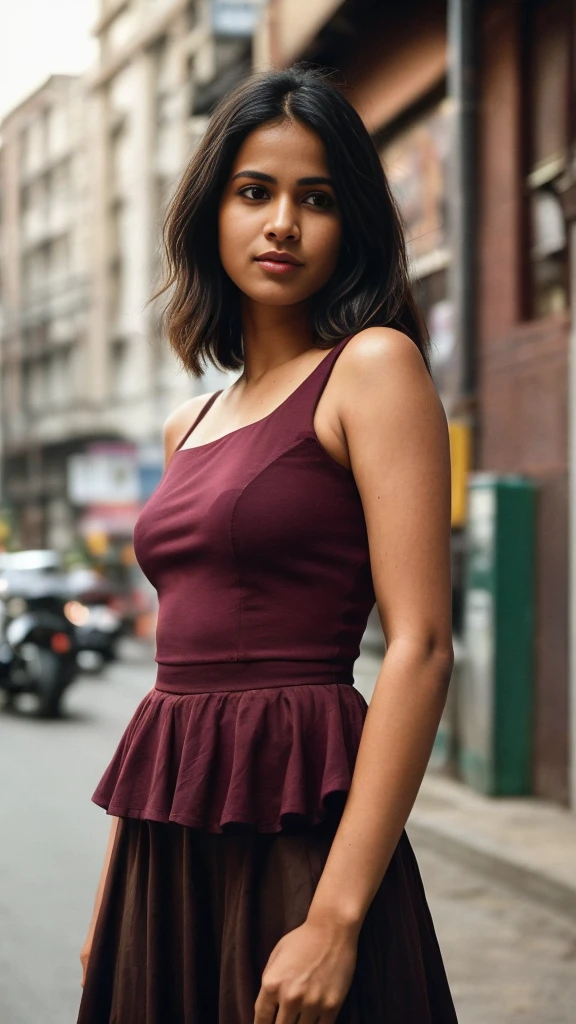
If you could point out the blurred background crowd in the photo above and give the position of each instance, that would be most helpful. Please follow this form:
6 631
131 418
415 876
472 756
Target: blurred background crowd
471 107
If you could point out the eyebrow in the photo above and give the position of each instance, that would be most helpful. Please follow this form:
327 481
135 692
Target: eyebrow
317 179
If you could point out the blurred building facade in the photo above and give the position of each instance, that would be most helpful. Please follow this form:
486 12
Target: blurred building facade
44 358
88 166
395 61
157 61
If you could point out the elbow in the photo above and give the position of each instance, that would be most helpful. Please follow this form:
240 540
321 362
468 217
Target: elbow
431 655
445 659
442 663
437 658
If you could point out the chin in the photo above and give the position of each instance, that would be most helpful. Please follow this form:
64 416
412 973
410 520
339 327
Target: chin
281 298
276 294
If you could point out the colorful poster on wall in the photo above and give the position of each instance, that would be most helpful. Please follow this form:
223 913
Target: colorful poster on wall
415 161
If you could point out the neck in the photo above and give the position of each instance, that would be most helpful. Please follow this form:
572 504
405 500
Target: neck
273 335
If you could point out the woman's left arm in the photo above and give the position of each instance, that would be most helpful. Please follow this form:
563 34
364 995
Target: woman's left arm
397 438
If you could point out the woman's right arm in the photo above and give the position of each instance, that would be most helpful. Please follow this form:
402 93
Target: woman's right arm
87 947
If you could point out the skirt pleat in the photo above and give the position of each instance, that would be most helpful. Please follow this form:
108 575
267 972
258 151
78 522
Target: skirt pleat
188 920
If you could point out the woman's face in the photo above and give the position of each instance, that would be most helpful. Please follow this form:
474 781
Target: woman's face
279 225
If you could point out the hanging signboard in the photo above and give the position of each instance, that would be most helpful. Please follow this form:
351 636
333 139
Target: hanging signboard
105 472
235 17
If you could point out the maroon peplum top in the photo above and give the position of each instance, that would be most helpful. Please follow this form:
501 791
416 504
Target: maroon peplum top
256 543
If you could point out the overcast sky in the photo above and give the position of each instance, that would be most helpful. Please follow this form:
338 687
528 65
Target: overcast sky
40 38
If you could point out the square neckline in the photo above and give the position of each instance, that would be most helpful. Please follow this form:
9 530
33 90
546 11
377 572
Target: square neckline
254 423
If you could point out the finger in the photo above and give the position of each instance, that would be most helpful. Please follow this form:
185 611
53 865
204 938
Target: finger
312 1015
290 1012
265 1008
329 1016
308 1015
287 1016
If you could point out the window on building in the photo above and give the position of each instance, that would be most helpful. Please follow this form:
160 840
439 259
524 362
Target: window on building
35 271
120 383
120 30
168 103
59 260
547 41
36 387
192 13
548 253
121 155
118 260
57 128
58 378
33 145
115 292
9 392
26 212
24 149
431 294
61 181
116 229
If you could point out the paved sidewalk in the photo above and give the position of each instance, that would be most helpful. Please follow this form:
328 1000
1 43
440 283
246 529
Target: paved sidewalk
523 842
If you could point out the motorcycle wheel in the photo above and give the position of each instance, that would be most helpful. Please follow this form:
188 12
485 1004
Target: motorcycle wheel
49 684
8 700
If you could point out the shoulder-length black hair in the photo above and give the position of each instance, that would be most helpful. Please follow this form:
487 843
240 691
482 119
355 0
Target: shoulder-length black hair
370 285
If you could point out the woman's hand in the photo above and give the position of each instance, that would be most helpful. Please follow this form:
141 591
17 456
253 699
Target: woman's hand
308 975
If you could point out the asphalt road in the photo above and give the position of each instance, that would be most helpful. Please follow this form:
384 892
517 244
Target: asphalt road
508 960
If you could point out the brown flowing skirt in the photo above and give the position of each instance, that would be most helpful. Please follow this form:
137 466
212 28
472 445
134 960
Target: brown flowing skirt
188 920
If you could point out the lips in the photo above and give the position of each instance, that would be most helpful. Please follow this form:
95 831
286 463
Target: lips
281 258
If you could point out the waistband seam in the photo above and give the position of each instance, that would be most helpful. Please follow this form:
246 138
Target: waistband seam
230 676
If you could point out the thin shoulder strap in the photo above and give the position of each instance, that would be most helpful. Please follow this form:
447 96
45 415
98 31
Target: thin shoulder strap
319 378
200 415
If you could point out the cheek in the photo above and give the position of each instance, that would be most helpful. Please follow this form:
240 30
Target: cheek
327 245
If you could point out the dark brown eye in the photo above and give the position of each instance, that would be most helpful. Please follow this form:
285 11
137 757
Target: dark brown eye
262 193
321 199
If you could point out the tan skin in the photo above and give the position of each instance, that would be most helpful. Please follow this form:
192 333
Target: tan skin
379 416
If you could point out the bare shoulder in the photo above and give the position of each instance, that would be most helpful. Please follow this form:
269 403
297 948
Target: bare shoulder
381 367
377 352
386 398
180 419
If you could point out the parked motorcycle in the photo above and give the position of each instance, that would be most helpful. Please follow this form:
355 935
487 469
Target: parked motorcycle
98 626
37 640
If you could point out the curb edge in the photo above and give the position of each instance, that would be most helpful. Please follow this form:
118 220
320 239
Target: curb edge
549 892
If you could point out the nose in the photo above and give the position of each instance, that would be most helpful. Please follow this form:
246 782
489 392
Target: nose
282 223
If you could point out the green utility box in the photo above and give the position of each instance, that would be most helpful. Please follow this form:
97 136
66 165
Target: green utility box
495 702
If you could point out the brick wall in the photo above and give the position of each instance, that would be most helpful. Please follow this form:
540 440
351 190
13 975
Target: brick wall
522 383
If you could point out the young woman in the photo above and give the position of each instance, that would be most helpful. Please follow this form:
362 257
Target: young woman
258 870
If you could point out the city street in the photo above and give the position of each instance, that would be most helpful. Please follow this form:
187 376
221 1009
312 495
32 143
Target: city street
508 959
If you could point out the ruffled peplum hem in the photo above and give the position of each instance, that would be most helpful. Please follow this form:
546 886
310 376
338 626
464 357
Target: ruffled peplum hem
272 758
